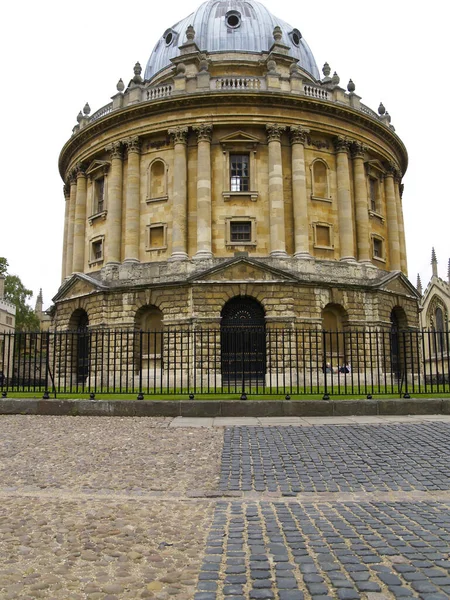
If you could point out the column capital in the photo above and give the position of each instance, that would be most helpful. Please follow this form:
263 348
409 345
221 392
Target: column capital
133 144
358 150
342 144
401 189
298 135
274 132
80 170
178 135
115 150
391 169
66 190
72 176
204 132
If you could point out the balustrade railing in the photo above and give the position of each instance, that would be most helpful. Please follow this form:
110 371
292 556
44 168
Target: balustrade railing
102 112
251 360
238 83
315 92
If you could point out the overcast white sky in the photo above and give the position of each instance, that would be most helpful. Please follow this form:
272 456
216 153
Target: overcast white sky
58 55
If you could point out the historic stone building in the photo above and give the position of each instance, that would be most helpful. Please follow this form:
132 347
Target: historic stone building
230 180
435 316
7 325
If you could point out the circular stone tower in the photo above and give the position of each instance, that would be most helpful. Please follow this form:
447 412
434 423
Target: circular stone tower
230 170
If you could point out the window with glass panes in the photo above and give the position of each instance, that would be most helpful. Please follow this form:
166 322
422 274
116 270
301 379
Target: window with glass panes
240 231
239 172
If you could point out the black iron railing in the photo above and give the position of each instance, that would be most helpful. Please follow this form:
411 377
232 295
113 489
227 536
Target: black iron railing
231 360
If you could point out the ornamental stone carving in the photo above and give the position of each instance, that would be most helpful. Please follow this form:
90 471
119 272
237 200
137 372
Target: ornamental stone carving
115 150
298 135
391 169
178 135
133 144
204 132
80 170
274 132
342 144
358 150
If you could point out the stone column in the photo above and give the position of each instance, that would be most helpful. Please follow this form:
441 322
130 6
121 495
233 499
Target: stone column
299 197
345 213
179 204
66 230
361 203
401 223
71 226
79 232
276 196
113 236
392 220
204 243
132 212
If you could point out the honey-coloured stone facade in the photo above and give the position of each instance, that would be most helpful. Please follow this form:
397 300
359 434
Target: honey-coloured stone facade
231 173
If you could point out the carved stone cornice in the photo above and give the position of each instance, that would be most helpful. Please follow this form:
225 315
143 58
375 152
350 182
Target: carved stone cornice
298 135
178 135
133 144
342 144
115 150
274 132
204 132
358 150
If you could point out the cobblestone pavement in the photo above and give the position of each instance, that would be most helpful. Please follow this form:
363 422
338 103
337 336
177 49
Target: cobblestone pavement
123 508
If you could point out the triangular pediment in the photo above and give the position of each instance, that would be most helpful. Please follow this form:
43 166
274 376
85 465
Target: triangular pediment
78 285
398 284
239 138
98 166
243 270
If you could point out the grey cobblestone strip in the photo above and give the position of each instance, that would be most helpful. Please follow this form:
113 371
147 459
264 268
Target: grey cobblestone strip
291 460
291 551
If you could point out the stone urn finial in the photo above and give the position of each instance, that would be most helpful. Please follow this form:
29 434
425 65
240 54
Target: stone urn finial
203 65
271 66
351 87
381 109
190 34
86 109
326 70
181 69
277 34
137 73
120 85
79 116
335 80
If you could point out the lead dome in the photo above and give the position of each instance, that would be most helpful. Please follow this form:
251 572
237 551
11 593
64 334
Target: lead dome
230 25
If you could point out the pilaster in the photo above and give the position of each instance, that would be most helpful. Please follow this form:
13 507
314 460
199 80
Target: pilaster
79 232
132 217
358 152
392 219
346 235
204 240
276 196
298 137
113 237
179 226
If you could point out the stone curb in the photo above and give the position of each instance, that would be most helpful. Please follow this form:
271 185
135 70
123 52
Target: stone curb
225 408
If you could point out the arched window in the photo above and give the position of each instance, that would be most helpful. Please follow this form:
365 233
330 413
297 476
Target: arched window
320 184
157 180
439 331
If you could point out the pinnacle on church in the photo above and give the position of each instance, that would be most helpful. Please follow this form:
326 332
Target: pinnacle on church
434 262
419 285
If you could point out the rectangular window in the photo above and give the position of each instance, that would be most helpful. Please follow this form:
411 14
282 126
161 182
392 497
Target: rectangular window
97 250
156 237
9 320
377 248
99 204
240 231
323 236
373 189
239 172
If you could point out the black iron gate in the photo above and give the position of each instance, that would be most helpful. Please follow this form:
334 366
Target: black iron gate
243 342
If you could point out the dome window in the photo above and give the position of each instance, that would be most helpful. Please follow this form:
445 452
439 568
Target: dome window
233 19
169 36
295 36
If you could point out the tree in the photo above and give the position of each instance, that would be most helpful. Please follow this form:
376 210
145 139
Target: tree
18 294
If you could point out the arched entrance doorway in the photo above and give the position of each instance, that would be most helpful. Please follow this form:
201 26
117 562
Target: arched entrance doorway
79 323
243 342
